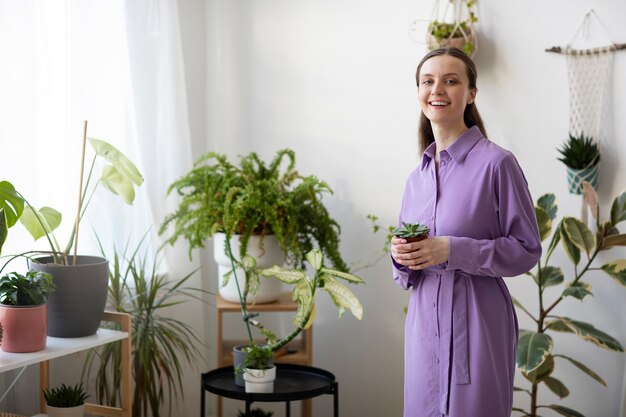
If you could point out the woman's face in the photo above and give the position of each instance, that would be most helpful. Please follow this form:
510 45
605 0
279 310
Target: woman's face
443 90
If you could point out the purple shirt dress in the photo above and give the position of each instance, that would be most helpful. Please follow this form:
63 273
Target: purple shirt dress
461 328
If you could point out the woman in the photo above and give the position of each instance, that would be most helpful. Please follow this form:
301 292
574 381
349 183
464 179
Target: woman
461 328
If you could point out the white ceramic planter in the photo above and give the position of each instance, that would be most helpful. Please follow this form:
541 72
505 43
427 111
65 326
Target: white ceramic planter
78 411
260 380
266 257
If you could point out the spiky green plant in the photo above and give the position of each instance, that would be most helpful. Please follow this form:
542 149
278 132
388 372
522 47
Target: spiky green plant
579 152
161 345
255 198
409 230
65 396
536 358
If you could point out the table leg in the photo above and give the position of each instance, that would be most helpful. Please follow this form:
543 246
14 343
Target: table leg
288 408
336 399
202 400
248 409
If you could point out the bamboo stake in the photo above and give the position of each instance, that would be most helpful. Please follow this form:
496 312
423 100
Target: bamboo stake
80 191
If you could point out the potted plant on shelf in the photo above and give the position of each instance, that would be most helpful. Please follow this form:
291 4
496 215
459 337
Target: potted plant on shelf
257 362
23 311
269 211
77 305
411 232
581 156
457 31
65 401
536 354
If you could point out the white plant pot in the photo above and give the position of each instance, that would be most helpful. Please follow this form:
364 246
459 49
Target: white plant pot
78 411
266 257
260 380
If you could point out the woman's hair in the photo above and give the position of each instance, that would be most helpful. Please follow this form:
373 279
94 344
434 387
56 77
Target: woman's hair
471 117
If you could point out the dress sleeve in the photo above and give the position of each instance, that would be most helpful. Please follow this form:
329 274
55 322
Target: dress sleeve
519 248
404 276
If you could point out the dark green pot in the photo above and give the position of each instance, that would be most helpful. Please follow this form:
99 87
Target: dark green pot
76 307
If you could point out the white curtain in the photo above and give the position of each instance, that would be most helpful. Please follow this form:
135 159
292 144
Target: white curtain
117 64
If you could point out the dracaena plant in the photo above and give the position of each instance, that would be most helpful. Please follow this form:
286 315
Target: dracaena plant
119 175
537 356
579 152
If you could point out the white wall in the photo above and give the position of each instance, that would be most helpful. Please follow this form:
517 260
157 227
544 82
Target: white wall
334 80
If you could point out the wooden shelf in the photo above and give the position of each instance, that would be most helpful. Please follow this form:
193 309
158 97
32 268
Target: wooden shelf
295 352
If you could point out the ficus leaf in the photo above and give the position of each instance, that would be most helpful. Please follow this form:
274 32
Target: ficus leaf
550 276
556 387
617 270
591 198
544 222
583 368
579 234
533 349
618 209
578 290
588 332
571 250
564 411
548 203
542 372
614 240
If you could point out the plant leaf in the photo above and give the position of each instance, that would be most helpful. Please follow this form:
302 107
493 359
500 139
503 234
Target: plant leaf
343 275
288 276
556 238
542 372
614 240
591 198
618 209
578 290
583 368
588 332
4 229
570 249
533 349
544 222
344 298
550 276
50 218
11 202
564 411
118 184
556 387
548 203
315 258
617 270
122 164
579 234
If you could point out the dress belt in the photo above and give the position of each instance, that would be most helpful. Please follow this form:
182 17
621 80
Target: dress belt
453 346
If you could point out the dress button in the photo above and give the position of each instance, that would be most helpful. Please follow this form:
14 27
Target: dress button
437 360
434 305
435 333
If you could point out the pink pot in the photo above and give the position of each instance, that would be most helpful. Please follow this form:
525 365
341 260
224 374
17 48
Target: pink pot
25 328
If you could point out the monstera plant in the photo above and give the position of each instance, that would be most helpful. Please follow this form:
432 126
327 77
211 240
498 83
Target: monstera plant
537 356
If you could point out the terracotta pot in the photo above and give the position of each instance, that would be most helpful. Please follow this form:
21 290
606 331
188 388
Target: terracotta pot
25 328
416 238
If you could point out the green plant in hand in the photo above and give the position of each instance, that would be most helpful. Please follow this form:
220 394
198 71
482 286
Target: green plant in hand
31 289
410 230
536 357
65 396
579 152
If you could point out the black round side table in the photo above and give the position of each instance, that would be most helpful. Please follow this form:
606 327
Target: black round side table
293 383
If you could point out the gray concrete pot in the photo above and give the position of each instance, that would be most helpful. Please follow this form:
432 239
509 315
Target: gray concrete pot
76 307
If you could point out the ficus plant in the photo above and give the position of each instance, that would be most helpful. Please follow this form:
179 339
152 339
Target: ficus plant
536 356
119 175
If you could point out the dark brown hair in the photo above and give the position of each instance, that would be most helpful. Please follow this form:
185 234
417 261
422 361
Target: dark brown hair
471 117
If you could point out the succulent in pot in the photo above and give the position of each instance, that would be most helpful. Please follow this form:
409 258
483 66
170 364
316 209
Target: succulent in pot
23 310
581 156
411 232
65 401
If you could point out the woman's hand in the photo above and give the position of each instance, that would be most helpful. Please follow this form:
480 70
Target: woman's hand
420 255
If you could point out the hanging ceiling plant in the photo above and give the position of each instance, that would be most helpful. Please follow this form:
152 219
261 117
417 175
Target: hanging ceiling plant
454 27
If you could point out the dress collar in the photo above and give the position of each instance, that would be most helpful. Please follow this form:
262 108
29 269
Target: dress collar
459 149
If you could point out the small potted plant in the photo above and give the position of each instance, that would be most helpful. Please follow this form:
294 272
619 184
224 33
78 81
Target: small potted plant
458 32
23 310
581 156
259 371
411 232
65 401
266 210
258 359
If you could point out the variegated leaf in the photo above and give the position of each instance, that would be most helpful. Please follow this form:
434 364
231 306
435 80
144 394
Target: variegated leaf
618 209
544 222
343 275
315 258
556 387
571 249
564 411
579 234
550 276
578 290
542 372
548 203
533 349
589 333
583 368
614 240
344 297
288 276
591 198
617 270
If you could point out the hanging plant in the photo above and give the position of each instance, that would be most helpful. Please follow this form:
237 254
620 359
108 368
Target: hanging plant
454 27
581 156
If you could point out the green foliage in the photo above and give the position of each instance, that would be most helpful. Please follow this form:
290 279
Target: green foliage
161 345
536 356
120 176
65 396
31 289
258 357
579 152
409 230
443 32
255 199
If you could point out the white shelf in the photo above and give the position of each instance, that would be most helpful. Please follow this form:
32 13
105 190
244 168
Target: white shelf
56 347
